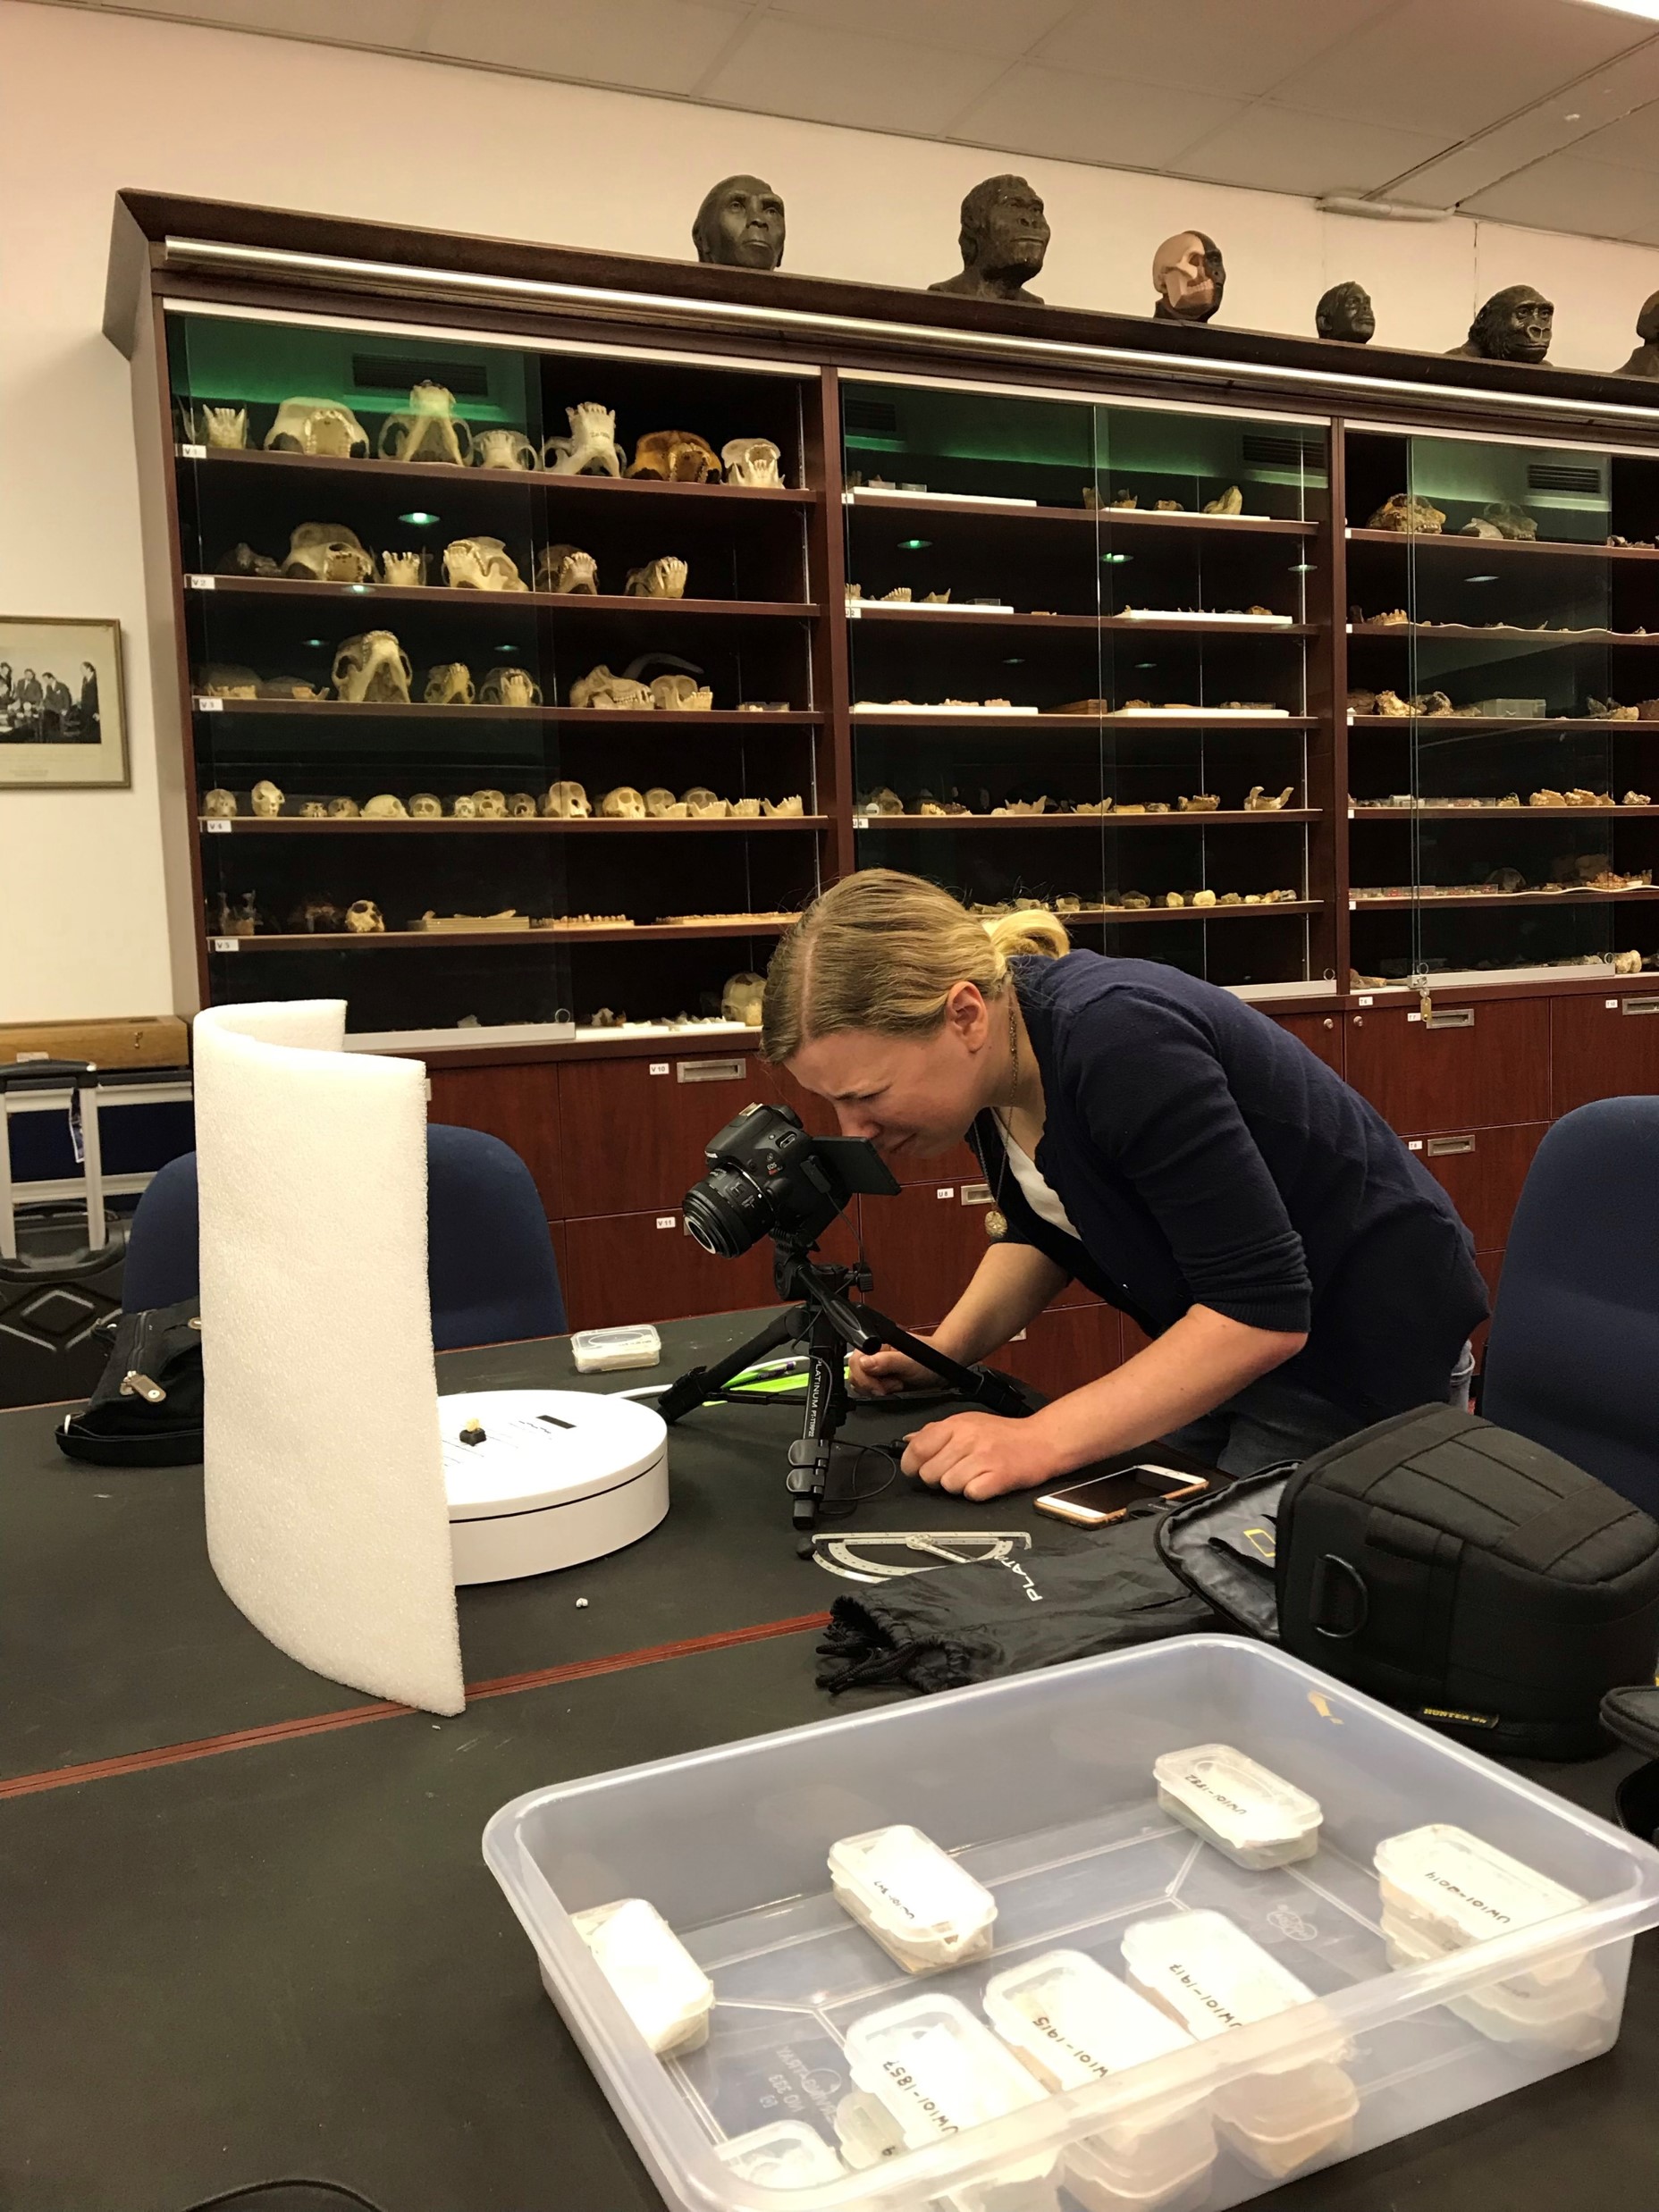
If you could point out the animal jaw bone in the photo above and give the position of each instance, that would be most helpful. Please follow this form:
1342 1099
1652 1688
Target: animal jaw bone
1259 802
328 552
480 564
662 578
662 806
700 805
431 431
754 462
1407 512
790 805
565 803
675 457
320 427
266 801
566 568
681 694
591 448
1231 502
225 426
599 688
1200 803
450 685
222 679
509 687
403 569
372 670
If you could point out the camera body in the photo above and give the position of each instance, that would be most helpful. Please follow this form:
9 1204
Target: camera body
769 1177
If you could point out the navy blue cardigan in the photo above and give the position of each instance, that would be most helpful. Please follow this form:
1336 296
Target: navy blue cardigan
1206 1157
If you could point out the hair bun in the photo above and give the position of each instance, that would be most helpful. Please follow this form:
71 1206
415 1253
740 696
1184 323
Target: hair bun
1034 929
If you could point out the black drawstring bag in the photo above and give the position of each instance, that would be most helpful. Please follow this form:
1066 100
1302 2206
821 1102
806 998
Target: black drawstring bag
1463 1573
147 1410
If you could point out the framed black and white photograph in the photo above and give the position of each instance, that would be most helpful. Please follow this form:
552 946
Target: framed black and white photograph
62 719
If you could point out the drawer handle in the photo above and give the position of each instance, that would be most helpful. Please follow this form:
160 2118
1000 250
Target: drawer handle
1443 1148
711 1070
1452 1018
976 1194
1638 1005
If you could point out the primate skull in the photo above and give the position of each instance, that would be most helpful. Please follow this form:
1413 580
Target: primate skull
753 461
624 803
480 564
328 552
267 800
385 806
591 448
426 807
219 805
662 578
566 568
450 685
566 802
373 667
491 806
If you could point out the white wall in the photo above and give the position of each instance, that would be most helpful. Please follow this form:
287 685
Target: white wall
94 101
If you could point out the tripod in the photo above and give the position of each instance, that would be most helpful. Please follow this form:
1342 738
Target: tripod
822 1468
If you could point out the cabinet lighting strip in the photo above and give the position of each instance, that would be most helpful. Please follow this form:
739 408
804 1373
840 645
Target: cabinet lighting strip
535 292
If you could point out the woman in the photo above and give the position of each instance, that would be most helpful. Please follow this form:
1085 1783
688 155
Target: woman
1152 1137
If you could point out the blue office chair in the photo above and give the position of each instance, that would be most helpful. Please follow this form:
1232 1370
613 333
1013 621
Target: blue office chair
1573 1356
489 1261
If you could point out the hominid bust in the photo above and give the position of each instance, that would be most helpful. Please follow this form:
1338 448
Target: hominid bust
1189 277
1005 236
1516 324
1645 360
1346 313
740 226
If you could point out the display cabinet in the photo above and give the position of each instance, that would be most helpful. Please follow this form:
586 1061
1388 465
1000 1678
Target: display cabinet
1325 672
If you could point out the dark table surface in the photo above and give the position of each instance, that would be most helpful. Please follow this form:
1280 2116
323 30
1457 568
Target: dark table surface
247 1928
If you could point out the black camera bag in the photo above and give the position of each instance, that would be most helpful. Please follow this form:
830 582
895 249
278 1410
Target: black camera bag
1451 1569
147 1410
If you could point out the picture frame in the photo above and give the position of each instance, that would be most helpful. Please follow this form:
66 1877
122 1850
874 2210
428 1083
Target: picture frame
62 705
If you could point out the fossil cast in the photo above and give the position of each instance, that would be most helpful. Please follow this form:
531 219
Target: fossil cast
1189 277
372 670
320 427
1345 314
328 552
754 462
480 564
431 431
591 448
740 226
676 457
1515 324
1645 360
503 448
1003 238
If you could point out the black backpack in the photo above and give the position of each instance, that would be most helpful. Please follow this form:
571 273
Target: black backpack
147 1410
1453 1569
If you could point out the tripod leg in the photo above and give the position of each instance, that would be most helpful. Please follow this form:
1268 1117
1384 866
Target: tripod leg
698 1385
819 1482
974 1383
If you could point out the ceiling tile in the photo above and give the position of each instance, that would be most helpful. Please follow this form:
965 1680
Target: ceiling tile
1457 65
1211 43
1569 193
783 66
372 23
1072 117
1275 149
651 45
1630 143
1006 28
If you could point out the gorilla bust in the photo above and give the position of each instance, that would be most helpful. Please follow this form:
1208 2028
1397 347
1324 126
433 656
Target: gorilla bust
1516 324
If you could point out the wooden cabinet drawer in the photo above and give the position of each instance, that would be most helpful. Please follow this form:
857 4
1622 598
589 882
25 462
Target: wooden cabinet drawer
519 1104
1483 1066
1322 1033
923 1246
1602 1048
622 1268
1481 1171
632 1132
1064 1349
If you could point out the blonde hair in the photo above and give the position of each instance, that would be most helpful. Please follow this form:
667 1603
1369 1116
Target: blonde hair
883 951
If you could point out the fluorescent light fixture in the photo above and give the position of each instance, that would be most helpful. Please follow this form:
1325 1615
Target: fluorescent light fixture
1649 9
419 518
914 545
1115 560
1480 579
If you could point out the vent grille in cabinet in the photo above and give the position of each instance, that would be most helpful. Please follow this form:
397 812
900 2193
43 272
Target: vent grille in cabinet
872 418
1550 476
383 372
1259 451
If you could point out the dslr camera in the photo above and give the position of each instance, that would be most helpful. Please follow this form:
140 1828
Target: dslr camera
769 1177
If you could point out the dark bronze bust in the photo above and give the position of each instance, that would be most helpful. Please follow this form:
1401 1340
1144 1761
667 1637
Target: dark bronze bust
1004 239
1645 360
740 226
1516 324
1189 277
1346 313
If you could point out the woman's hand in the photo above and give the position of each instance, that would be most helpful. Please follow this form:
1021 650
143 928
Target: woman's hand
881 1374
979 1456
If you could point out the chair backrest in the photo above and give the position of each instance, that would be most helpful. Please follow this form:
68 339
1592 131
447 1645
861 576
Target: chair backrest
490 1260
1573 1356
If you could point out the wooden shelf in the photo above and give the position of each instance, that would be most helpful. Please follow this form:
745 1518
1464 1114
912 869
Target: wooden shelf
440 940
1498 814
1480 547
1234 818
1499 633
916 612
290 826
1194 914
447 595
1547 724
540 479
1096 518
1420 905
655 717
943 719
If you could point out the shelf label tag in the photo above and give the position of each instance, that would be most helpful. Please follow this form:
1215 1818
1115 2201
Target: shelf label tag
946 1190
192 452
201 584
659 1067
665 1220
227 944
1414 1017
861 821
1414 1144
1611 1004
1365 999
216 828
1352 905
209 706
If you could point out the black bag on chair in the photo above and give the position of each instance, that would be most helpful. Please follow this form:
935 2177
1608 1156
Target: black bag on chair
1451 1569
147 1410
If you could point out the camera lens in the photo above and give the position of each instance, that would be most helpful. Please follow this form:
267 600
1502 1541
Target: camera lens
725 1213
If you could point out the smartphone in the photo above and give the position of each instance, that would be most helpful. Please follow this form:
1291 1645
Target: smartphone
1109 1497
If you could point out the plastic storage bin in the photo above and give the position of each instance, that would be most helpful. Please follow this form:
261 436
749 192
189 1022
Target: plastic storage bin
1041 1788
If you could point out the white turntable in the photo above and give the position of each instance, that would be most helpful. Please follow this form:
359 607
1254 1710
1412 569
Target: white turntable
557 1476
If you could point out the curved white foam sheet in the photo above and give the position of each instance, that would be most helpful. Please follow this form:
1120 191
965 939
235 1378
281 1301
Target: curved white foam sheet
327 1521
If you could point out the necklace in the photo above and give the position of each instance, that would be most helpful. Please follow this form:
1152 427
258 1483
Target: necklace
996 1220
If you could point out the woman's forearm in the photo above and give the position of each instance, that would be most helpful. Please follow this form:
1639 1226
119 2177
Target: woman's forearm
1194 1367
1011 1286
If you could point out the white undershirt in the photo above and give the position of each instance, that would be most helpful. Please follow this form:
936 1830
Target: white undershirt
1039 1195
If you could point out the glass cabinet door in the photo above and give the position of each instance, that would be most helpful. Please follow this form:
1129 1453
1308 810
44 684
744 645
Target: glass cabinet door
503 700
1079 639
1504 698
